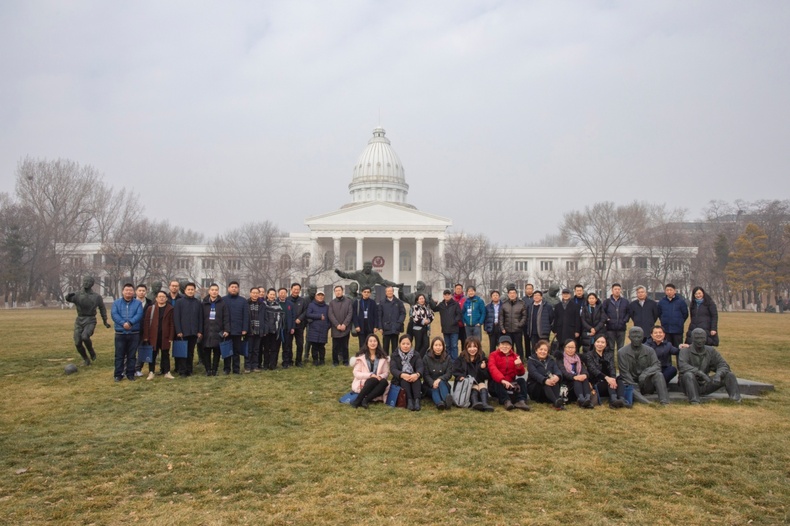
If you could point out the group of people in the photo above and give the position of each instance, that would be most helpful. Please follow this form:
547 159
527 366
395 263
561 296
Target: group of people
576 364
571 346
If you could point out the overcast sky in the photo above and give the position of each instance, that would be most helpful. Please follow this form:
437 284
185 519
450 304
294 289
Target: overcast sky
505 114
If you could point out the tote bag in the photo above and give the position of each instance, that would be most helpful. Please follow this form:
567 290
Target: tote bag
226 348
145 353
180 348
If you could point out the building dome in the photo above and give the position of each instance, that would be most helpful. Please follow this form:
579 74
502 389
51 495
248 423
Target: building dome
379 174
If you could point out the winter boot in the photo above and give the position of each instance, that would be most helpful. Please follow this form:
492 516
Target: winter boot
475 400
484 401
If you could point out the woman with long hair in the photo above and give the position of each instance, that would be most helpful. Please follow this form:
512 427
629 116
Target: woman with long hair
407 368
438 370
371 369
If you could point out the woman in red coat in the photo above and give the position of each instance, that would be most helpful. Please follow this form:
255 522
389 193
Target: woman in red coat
504 366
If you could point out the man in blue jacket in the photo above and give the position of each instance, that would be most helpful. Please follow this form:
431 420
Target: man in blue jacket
127 313
673 312
493 321
239 313
616 310
473 313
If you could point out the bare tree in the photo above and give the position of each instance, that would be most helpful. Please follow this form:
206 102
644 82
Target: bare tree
602 231
473 259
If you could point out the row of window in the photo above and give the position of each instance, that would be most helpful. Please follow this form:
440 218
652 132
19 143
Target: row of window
571 266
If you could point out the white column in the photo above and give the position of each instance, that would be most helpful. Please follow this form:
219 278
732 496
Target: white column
396 259
314 263
440 255
336 248
418 259
360 259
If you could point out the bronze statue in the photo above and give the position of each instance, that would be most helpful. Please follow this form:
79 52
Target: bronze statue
87 302
367 277
353 290
419 288
551 298
156 286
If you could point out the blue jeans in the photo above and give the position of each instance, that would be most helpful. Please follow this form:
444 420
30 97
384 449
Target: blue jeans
451 344
125 354
440 393
474 331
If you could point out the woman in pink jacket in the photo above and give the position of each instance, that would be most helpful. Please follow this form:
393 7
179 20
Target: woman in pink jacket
371 369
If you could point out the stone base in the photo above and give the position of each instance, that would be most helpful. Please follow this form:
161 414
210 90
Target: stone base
747 387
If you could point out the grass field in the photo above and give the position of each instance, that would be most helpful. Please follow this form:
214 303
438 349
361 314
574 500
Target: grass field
277 447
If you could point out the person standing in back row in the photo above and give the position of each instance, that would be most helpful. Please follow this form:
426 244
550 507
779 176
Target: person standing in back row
616 309
239 313
188 323
341 311
673 312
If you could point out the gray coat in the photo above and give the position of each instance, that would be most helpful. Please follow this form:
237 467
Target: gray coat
341 310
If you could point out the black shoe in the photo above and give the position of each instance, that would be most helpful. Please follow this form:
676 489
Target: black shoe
227 372
208 373
286 366
417 404
118 378
441 406
410 404
364 403
86 362
616 403
131 378
300 364
559 403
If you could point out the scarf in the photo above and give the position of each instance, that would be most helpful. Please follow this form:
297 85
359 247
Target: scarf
570 361
406 359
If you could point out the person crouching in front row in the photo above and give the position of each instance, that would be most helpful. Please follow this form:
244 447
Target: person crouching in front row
504 367
472 362
371 369
544 377
407 368
438 370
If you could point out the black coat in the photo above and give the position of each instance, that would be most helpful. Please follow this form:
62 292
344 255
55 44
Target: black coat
704 316
396 364
567 321
220 323
595 319
538 371
392 314
643 316
463 368
435 368
599 367
450 313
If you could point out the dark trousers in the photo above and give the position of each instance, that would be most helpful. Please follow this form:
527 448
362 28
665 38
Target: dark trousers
413 389
340 350
518 343
603 387
126 354
543 393
669 373
253 348
234 361
462 336
319 352
271 351
493 340
185 366
288 349
580 390
390 342
616 339
421 340
211 363
165 361
371 389
504 395
674 339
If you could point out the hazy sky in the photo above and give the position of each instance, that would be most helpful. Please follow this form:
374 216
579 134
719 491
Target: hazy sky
505 114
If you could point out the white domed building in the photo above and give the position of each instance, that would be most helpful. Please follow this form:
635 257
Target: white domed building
379 225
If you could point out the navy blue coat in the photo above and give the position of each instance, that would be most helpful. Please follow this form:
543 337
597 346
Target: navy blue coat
488 326
317 331
295 309
392 314
188 316
239 312
616 313
673 314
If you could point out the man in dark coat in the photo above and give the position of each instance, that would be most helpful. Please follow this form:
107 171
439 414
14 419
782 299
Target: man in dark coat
365 319
341 311
697 362
239 314
450 313
514 317
673 312
296 318
567 319
615 307
392 314
540 320
188 323
643 311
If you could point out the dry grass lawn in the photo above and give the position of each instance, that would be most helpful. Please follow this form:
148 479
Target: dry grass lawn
277 448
